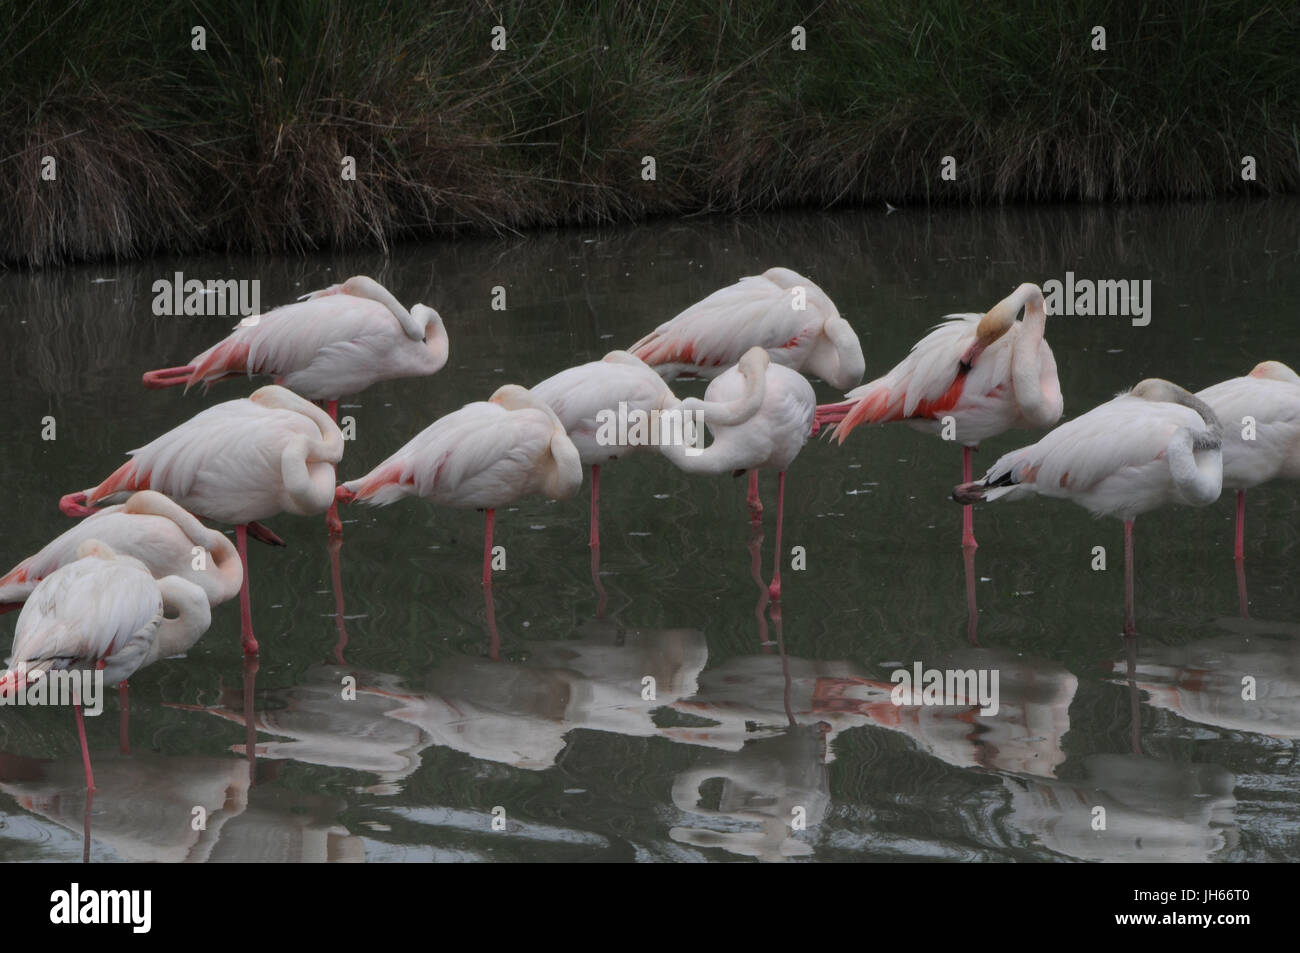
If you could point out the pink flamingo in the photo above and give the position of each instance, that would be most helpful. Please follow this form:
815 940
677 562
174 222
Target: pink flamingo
334 344
588 400
760 415
237 462
1261 436
484 456
780 311
103 611
1155 445
977 375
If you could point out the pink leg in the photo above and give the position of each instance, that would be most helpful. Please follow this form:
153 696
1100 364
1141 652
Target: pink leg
1130 627
967 514
1243 602
494 639
594 540
245 602
756 573
602 599
124 725
335 546
332 521
250 716
755 504
972 610
85 750
1239 553
775 589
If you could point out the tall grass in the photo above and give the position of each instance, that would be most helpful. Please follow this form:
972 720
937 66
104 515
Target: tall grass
159 147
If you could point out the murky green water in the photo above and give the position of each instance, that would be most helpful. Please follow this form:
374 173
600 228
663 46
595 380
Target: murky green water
557 734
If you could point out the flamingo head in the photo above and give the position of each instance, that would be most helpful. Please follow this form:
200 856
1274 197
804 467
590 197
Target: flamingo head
997 321
1275 371
514 397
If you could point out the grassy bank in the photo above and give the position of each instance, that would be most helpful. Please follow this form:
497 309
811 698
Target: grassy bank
161 147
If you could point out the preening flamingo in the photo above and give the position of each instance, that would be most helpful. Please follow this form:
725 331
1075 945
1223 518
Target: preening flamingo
103 611
1261 432
780 311
150 528
587 397
237 462
334 344
760 415
1155 445
988 372
484 456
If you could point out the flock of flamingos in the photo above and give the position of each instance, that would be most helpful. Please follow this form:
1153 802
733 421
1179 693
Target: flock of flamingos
135 580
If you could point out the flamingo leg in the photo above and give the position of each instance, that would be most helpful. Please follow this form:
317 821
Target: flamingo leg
602 599
250 716
85 750
245 601
594 540
1130 627
755 504
494 638
335 547
85 841
1243 602
1239 552
972 610
124 725
332 521
775 589
756 573
967 512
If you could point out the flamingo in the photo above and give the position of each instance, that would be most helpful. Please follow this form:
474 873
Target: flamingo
103 611
149 527
779 310
760 414
1270 396
586 396
988 373
1155 445
334 344
237 462
486 455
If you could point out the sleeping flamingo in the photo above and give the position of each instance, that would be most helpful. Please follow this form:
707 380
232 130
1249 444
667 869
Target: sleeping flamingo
103 611
779 310
760 415
334 344
581 397
150 528
484 456
1270 397
1156 444
988 373
237 462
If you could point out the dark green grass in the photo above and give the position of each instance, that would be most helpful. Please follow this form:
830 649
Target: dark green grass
240 147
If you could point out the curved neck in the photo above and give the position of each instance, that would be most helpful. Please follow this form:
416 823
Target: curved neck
410 327
1038 408
565 476
187 616
837 356
1197 471
437 342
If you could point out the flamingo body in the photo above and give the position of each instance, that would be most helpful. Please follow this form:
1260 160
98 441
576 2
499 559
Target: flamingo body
758 311
1270 397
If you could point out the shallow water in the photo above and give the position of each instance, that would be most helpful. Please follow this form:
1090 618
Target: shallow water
556 733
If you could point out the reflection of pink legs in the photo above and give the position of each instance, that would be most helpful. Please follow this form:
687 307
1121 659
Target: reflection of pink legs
775 589
755 504
594 540
85 750
1239 551
967 514
250 716
1130 627
245 605
124 723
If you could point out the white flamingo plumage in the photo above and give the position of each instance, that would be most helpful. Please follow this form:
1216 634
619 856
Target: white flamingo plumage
582 395
760 415
149 527
484 456
237 462
335 343
758 311
1270 396
1155 445
989 373
103 611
